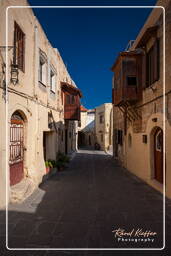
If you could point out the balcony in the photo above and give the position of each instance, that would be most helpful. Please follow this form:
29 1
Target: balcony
128 78
72 97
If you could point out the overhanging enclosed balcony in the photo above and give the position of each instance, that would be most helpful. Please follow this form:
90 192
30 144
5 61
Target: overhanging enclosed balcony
128 78
71 96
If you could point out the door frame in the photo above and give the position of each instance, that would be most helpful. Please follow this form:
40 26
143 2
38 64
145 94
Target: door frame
157 131
153 132
17 139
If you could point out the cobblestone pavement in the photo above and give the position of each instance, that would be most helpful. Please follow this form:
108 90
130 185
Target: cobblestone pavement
79 208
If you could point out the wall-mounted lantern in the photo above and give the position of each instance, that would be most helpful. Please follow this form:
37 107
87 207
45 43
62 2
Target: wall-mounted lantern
14 74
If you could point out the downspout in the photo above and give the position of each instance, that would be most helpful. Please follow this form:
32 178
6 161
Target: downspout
48 66
35 86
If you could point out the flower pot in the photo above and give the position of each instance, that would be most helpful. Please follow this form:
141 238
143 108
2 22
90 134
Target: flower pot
47 170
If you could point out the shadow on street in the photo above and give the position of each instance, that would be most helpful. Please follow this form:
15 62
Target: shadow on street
82 205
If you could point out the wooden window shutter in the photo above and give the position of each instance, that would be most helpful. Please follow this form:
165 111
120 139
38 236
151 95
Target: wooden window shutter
156 60
19 47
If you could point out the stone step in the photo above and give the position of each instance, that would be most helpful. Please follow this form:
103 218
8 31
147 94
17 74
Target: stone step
22 190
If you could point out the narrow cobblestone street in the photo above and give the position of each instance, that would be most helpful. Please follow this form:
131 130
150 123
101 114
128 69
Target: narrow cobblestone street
79 208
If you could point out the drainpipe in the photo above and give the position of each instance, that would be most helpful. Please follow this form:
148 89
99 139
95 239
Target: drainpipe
35 86
48 64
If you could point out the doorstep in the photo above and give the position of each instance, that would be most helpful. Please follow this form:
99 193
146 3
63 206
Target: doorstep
22 190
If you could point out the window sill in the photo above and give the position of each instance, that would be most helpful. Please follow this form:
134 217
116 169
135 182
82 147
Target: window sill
21 70
42 83
51 91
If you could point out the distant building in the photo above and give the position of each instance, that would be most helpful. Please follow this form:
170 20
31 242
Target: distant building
104 126
138 102
86 126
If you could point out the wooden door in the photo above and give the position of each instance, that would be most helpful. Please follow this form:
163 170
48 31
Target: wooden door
16 150
158 155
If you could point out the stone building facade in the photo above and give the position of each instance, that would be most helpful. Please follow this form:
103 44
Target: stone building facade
104 126
33 117
86 128
140 127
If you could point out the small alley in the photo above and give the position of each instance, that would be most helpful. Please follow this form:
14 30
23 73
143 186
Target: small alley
85 152
81 206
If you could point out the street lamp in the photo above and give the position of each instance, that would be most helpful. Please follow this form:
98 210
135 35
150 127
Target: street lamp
14 74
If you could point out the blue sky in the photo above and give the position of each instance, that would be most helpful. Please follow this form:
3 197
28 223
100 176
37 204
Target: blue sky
89 40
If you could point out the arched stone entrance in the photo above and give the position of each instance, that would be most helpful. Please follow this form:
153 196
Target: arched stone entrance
16 150
158 154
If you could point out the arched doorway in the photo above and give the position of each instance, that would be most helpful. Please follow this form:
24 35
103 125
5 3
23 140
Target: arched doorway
81 139
89 139
16 151
158 155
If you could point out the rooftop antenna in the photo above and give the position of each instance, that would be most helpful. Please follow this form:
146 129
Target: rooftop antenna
129 45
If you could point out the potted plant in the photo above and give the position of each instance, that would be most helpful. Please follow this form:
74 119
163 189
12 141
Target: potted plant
61 161
48 165
60 165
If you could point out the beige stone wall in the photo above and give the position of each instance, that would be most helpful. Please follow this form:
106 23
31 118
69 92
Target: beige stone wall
139 157
105 128
2 138
83 120
31 98
87 128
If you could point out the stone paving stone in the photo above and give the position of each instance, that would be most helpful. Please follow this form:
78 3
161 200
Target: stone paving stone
2 216
17 241
23 228
46 227
82 205
39 241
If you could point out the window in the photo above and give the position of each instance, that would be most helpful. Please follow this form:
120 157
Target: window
19 47
42 68
52 81
144 137
131 80
50 121
120 137
101 119
159 141
67 99
101 137
70 99
152 64
129 140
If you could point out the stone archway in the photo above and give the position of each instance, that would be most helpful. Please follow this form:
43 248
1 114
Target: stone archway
16 147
